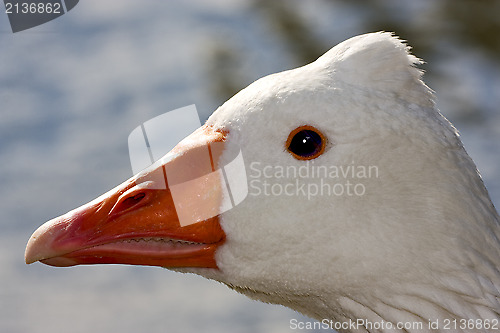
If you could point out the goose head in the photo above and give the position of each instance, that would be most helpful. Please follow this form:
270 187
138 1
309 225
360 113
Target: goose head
362 202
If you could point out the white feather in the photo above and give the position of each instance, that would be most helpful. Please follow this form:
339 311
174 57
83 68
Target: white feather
422 242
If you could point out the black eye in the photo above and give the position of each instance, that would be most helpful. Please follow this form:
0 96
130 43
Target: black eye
306 143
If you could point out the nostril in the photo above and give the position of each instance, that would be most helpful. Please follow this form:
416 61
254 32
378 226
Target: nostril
133 200
130 201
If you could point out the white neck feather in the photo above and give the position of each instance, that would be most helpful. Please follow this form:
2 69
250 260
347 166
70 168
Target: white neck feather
423 243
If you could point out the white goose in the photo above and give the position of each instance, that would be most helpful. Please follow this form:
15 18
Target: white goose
416 242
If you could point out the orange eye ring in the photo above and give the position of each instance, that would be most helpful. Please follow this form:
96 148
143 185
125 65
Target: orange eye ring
306 143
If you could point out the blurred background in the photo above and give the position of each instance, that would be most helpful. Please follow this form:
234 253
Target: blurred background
72 89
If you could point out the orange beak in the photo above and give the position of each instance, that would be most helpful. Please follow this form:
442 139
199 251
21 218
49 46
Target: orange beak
138 222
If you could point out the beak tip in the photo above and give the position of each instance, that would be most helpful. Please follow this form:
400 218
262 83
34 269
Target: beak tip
28 261
39 245
29 254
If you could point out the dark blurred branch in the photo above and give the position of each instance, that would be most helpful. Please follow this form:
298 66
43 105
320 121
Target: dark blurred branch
431 26
284 20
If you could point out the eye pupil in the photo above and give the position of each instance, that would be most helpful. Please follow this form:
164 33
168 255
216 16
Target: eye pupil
305 143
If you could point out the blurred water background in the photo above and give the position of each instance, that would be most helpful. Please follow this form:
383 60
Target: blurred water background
72 90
